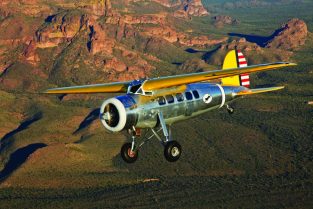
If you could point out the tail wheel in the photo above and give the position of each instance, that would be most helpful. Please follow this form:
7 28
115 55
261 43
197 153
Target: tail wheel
127 154
172 151
230 110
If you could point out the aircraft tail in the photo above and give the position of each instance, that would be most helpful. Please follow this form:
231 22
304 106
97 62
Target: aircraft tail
236 59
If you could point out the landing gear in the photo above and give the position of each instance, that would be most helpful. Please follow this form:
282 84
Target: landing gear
172 151
128 154
230 110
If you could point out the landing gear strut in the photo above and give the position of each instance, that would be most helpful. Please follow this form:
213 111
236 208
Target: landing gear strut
172 149
129 152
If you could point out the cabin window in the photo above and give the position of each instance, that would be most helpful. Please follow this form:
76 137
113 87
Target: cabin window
188 95
169 99
196 94
148 93
161 101
179 97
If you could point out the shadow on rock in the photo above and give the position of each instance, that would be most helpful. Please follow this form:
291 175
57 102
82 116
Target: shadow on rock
24 125
262 41
193 51
207 55
93 115
18 158
84 138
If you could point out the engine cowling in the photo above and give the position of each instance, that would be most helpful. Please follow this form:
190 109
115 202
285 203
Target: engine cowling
115 114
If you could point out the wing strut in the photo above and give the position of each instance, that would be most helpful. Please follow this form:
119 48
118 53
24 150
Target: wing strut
164 128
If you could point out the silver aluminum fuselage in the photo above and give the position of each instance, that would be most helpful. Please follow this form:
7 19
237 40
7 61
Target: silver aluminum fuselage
211 96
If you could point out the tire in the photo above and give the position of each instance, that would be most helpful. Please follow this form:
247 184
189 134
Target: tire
172 151
127 155
231 110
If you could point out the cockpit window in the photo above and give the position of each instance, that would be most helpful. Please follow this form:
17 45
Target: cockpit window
134 89
179 97
139 91
196 94
169 99
161 101
188 95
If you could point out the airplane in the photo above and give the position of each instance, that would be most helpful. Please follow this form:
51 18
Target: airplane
149 107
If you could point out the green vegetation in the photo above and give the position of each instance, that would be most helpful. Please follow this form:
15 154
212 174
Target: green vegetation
261 20
178 192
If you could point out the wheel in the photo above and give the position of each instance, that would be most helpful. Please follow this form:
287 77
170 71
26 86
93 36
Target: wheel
127 155
172 151
230 110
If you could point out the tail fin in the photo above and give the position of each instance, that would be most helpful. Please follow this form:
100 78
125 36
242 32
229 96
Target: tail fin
235 59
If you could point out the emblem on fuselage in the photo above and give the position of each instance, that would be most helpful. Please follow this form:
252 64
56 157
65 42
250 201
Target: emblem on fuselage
207 98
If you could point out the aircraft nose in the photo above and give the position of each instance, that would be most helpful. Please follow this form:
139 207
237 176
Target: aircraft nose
111 115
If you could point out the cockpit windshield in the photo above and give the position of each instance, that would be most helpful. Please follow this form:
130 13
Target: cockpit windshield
134 89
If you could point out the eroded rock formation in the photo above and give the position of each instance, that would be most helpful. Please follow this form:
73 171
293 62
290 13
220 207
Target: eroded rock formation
290 36
221 20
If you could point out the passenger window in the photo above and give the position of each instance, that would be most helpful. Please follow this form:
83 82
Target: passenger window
148 93
161 101
188 95
196 94
169 99
179 97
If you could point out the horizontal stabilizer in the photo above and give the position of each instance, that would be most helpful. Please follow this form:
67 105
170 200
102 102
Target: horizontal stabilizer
258 91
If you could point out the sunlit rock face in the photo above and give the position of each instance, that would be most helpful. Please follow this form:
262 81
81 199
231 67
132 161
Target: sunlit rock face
109 41
184 8
290 36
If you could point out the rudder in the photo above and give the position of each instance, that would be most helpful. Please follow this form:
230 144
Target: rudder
236 59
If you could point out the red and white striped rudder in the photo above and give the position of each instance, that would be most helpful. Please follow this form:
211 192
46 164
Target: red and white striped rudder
242 62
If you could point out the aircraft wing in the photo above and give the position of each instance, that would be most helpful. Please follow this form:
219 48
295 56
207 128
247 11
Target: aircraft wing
165 82
117 87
